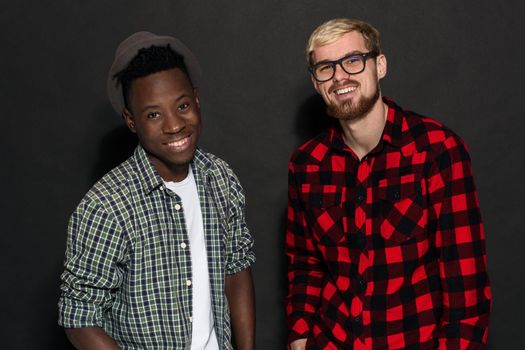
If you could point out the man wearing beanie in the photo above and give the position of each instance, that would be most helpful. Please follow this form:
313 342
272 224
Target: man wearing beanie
158 253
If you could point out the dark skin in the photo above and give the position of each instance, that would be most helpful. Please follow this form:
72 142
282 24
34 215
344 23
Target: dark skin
90 338
164 112
241 297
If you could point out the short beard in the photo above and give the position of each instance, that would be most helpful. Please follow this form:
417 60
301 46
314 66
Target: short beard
350 111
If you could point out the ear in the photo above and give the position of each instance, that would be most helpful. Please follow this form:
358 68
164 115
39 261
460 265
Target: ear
129 119
197 97
381 65
315 83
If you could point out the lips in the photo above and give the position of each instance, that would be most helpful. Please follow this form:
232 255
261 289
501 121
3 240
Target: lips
343 89
178 145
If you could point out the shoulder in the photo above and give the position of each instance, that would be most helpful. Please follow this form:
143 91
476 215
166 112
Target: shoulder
422 133
312 151
113 190
220 179
217 170
217 164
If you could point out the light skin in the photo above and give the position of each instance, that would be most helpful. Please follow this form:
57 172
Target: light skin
360 132
164 112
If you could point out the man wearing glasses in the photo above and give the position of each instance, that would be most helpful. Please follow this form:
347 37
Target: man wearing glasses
384 236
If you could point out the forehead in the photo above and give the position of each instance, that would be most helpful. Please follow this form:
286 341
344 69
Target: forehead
347 43
167 82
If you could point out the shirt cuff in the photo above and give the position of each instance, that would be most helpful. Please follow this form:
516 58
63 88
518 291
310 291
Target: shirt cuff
239 265
77 314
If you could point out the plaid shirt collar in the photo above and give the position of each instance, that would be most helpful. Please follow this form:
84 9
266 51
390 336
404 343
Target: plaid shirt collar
149 177
392 133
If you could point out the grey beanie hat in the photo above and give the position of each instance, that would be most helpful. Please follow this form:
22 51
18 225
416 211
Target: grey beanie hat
129 48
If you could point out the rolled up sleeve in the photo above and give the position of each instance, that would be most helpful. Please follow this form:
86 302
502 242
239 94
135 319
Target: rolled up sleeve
92 266
239 247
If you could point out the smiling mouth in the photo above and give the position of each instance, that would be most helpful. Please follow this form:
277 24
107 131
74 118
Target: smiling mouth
179 145
345 90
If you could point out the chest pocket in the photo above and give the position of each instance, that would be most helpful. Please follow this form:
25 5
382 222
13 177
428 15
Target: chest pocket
401 208
324 212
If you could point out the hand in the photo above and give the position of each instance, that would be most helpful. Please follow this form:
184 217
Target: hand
299 344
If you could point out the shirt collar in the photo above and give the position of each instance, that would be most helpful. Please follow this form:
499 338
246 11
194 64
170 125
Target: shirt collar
151 180
393 131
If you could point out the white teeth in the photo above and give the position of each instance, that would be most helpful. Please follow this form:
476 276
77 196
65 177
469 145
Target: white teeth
345 90
178 143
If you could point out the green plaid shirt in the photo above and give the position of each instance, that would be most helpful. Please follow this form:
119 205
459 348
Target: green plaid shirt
128 262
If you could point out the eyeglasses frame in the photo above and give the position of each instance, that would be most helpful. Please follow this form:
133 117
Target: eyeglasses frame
364 55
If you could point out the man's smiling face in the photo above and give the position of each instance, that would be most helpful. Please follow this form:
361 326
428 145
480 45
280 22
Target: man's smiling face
164 112
349 96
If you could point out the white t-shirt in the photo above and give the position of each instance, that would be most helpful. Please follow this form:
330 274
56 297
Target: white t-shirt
203 335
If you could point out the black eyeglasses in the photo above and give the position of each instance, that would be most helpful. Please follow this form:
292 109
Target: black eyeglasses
351 64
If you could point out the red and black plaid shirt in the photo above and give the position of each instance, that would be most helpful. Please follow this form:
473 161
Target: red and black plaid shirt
387 252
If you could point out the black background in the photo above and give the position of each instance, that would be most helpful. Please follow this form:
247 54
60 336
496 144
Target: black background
460 62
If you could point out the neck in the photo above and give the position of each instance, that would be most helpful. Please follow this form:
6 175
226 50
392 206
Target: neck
363 134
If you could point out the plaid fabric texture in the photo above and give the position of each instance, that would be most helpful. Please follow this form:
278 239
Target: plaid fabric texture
387 252
128 263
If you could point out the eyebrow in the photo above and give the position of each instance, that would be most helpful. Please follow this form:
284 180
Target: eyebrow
153 106
355 52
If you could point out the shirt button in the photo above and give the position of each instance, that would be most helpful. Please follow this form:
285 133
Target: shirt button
361 194
188 283
357 327
362 283
177 207
183 245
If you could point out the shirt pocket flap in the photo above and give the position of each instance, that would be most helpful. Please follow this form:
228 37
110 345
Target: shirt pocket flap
398 191
322 196
325 200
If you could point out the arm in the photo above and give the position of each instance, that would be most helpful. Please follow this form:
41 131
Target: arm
90 338
305 274
241 298
460 241
239 288
91 274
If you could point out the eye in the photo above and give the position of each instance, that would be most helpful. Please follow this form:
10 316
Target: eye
153 115
352 59
324 68
183 107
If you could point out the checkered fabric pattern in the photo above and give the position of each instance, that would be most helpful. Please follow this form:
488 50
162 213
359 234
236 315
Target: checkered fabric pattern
387 252
128 263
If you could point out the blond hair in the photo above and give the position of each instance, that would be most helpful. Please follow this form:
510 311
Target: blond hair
334 29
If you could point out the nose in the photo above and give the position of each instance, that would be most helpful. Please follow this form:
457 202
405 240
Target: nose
339 73
172 123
